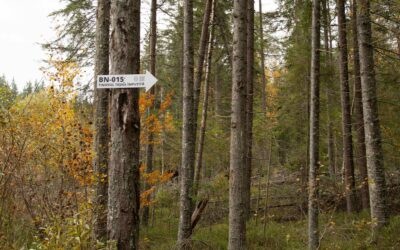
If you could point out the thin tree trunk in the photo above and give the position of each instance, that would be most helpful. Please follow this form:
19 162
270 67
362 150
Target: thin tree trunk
237 185
123 189
188 140
101 125
346 112
398 45
181 58
376 173
313 234
249 103
200 63
263 77
361 158
217 91
150 139
258 195
331 141
162 135
199 159
268 177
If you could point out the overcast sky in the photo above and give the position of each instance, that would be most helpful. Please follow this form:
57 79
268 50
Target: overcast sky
24 24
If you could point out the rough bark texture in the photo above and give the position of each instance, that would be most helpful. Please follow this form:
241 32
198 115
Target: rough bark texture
200 62
188 139
123 190
200 148
237 185
150 139
196 216
263 77
346 113
376 173
313 234
249 103
101 128
361 158
328 51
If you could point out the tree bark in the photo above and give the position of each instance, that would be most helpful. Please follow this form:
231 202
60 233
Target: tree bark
328 51
200 62
237 184
217 91
101 126
249 103
267 189
313 234
188 139
346 113
199 158
361 158
150 139
263 77
373 141
123 189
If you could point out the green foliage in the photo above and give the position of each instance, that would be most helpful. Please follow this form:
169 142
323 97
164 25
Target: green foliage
75 28
73 233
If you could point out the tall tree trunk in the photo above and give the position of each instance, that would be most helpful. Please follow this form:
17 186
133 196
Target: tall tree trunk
361 158
249 103
199 159
150 139
237 184
188 139
268 177
313 234
123 189
200 63
346 113
328 52
263 77
373 141
101 126
217 91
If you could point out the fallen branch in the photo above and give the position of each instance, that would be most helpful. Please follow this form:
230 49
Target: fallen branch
201 205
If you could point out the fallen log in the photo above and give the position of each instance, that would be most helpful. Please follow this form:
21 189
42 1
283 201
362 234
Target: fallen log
201 205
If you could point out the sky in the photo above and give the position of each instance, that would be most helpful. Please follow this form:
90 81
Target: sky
24 24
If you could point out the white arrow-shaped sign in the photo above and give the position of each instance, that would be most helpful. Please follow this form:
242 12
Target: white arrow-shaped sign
126 81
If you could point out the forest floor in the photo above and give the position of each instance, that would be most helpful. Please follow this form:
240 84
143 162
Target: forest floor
286 225
337 231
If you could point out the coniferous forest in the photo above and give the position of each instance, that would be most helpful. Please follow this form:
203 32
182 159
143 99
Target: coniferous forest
273 124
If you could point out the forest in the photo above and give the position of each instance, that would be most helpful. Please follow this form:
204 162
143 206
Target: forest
273 124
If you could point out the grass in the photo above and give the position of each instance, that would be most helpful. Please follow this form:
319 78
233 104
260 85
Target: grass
337 231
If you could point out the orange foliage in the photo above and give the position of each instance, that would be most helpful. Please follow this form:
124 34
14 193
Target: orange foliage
154 120
153 179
